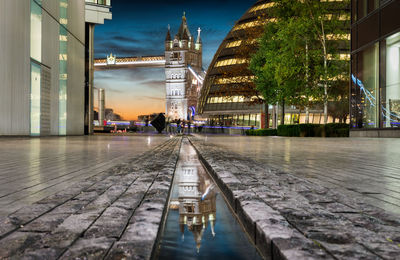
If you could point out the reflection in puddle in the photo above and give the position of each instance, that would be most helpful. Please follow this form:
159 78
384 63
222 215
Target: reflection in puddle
191 230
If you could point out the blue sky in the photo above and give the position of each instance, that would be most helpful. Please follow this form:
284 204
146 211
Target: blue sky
138 28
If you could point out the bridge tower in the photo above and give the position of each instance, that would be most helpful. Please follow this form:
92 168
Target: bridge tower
182 53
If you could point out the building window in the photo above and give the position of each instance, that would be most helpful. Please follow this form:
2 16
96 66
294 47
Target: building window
390 99
36 31
368 86
63 66
366 6
35 98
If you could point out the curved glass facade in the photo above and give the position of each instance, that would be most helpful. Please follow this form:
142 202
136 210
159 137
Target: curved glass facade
229 95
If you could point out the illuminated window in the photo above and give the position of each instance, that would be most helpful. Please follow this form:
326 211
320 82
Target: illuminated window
229 62
233 80
253 24
233 44
341 56
262 7
231 99
338 37
341 17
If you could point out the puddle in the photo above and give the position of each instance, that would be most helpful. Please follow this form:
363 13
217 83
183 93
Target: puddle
199 224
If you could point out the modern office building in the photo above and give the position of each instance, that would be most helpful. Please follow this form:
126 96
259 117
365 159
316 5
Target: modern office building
96 12
42 67
375 69
229 96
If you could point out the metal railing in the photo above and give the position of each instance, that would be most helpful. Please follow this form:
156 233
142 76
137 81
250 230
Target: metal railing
99 2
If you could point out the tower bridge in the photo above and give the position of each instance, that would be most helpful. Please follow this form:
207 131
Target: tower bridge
113 62
184 75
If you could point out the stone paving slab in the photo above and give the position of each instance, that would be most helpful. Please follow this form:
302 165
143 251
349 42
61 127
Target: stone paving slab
32 169
113 215
292 218
369 167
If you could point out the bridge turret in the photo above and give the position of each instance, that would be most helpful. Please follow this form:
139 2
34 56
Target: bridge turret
181 85
185 40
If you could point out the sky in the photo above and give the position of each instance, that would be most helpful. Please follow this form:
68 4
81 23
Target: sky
138 28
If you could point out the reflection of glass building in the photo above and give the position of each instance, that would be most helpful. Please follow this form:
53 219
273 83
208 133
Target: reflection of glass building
375 68
197 205
229 97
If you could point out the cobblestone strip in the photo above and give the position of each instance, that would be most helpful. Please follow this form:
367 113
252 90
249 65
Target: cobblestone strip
293 218
86 220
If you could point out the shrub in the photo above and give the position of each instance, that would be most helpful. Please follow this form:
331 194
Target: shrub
311 130
289 130
314 130
337 130
262 132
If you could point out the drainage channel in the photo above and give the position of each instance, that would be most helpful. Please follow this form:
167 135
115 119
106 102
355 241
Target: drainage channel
199 224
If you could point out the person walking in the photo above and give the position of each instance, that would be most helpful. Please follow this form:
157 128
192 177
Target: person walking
179 127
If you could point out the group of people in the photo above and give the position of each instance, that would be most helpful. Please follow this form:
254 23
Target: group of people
182 127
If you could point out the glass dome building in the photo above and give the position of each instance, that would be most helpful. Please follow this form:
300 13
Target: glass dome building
229 96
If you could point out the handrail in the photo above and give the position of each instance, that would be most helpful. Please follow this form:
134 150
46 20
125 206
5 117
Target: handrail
99 2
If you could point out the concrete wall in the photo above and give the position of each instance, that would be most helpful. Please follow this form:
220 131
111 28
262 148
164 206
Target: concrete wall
14 67
385 133
15 61
76 68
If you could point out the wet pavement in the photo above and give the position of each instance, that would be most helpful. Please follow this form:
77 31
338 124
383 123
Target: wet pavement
199 224
106 197
114 215
34 168
291 217
368 167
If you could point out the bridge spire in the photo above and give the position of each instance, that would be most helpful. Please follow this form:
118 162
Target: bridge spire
198 36
168 37
183 32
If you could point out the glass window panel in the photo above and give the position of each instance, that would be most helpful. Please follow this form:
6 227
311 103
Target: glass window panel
246 120
35 98
63 66
368 84
36 31
391 91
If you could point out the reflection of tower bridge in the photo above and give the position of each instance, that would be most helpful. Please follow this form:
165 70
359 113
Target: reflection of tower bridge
183 70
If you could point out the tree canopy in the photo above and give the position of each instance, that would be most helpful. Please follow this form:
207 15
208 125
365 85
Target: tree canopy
298 59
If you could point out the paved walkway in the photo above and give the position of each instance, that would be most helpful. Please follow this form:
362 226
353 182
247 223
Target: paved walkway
34 168
293 218
115 214
105 196
368 167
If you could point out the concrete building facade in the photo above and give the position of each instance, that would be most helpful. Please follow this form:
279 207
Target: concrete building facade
42 45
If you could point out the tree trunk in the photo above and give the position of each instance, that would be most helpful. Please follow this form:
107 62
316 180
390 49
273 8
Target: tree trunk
283 113
274 117
307 120
326 74
266 115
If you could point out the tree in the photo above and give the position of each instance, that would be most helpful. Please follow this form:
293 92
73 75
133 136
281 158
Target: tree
296 61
